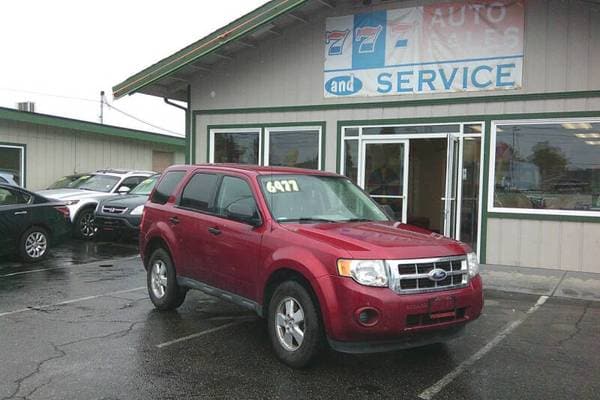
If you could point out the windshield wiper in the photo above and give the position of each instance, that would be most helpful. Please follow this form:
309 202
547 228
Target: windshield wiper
358 220
306 219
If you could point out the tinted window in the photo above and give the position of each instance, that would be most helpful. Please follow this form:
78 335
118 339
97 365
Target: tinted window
132 181
199 192
294 148
240 148
234 191
12 197
166 186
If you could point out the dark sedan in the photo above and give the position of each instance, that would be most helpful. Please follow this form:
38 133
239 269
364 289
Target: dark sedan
121 215
30 224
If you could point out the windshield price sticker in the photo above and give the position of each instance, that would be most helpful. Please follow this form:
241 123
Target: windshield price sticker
282 186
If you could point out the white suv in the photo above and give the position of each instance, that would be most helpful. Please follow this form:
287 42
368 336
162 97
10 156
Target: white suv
82 201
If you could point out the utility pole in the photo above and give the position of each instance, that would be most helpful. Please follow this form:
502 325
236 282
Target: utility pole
102 107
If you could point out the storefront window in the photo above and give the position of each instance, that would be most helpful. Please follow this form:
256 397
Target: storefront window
548 166
11 164
236 147
294 148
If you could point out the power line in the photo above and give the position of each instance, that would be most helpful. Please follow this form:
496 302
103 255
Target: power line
141 120
92 101
48 94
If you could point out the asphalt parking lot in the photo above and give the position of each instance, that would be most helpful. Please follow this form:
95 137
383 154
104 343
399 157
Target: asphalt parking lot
80 326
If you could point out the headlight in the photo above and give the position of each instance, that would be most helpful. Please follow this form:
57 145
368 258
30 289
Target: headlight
473 265
138 210
365 272
71 202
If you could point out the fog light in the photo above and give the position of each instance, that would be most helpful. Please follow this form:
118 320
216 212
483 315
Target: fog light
367 316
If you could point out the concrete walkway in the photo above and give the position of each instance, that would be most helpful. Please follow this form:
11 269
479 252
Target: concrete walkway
576 285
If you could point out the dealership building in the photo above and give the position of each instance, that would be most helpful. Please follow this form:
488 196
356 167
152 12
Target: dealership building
37 149
479 120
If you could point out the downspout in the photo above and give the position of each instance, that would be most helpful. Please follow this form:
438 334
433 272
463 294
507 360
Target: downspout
188 138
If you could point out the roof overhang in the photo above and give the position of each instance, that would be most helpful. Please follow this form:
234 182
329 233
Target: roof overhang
171 76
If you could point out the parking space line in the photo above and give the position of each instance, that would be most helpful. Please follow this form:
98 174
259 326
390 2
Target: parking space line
431 391
62 303
206 332
95 263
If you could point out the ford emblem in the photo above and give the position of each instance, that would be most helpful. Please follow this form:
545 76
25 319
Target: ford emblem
437 274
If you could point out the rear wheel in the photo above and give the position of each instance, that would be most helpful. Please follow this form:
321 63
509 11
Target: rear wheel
34 244
295 326
85 225
163 289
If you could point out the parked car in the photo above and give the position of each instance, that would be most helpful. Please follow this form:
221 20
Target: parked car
8 178
82 201
30 224
121 215
70 181
310 252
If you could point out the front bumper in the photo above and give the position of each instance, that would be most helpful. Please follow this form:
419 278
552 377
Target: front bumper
121 225
403 320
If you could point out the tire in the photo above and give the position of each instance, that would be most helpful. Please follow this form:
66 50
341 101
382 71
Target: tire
84 227
161 279
34 244
282 324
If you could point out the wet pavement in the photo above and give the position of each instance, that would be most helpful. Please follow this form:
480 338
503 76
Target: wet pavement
80 326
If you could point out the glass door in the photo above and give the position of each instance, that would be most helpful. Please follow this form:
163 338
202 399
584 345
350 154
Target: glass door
450 200
385 174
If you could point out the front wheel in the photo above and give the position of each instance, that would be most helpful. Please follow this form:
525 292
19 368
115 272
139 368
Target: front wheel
163 289
85 224
294 325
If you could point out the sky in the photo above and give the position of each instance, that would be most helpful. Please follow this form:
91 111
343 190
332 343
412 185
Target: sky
73 49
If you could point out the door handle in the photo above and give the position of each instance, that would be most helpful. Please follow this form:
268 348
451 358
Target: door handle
21 213
174 220
215 231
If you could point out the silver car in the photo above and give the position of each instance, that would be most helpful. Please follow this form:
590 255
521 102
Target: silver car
82 201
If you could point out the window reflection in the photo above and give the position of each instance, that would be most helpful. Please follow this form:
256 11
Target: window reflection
240 147
548 166
294 148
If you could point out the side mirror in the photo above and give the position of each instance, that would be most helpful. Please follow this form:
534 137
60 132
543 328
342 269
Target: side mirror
124 190
243 213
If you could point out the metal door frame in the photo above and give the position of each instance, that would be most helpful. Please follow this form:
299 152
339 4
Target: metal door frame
362 170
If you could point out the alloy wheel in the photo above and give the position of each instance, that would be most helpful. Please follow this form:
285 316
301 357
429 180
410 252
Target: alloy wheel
289 323
87 225
36 244
159 279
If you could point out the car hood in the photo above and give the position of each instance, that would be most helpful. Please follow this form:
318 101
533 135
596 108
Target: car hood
130 201
381 240
73 194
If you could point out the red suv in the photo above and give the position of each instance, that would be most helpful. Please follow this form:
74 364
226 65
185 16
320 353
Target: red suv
310 252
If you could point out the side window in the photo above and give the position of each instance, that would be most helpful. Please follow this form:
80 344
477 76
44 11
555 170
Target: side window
166 186
235 192
131 182
13 197
199 192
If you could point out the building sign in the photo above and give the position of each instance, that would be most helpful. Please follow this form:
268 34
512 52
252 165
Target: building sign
438 48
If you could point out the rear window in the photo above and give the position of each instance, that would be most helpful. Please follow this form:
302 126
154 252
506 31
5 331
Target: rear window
199 193
166 187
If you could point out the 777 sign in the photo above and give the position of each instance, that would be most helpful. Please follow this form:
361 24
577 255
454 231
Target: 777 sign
335 40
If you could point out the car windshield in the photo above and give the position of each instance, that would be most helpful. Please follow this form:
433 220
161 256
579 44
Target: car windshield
99 183
314 198
145 187
69 182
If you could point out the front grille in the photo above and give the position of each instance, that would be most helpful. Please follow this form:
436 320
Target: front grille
113 210
415 276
